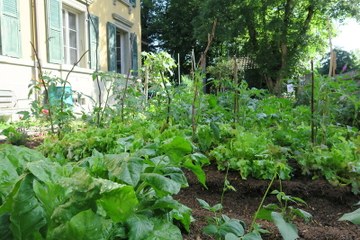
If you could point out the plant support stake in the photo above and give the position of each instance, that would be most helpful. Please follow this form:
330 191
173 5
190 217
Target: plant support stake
312 104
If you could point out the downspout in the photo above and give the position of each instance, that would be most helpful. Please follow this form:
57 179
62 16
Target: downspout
34 40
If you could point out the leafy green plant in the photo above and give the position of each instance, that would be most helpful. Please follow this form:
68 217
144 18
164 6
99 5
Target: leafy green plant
15 136
52 107
222 227
126 195
338 163
283 214
159 66
253 155
353 217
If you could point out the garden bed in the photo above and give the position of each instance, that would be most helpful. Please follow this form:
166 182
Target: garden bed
325 202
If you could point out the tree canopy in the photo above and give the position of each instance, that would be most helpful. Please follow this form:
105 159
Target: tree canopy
345 61
276 35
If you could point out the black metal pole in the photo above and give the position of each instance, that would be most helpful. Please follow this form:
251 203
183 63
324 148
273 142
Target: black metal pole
312 103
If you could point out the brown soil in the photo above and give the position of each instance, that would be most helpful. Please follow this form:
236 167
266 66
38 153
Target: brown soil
325 202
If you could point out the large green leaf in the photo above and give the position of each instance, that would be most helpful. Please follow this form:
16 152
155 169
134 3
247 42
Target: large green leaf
5 233
164 231
7 204
162 185
8 176
95 164
27 215
175 174
252 236
177 148
119 203
20 155
197 170
353 217
177 210
231 236
231 226
50 195
265 212
124 168
140 227
87 225
183 214
45 171
287 230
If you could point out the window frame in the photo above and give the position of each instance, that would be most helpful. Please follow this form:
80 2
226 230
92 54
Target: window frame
66 38
79 9
124 46
15 30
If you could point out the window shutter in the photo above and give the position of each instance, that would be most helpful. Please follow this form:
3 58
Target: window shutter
111 39
54 34
10 28
134 54
94 41
133 3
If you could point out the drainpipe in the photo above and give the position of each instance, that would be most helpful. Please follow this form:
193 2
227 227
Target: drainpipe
34 31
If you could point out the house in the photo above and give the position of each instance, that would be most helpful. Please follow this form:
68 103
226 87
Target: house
96 34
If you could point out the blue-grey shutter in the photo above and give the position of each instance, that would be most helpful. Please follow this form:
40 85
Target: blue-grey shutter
134 54
10 28
133 3
54 34
94 41
111 39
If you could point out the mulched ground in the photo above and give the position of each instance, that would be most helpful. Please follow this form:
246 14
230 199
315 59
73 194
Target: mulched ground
325 202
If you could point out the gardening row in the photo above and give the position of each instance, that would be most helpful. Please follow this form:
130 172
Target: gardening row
113 174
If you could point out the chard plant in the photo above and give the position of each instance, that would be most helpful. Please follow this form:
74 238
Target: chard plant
126 195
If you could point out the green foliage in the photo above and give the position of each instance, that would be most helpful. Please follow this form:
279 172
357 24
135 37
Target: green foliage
345 62
353 217
223 227
53 106
253 154
336 101
99 197
277 35
282 214
15 136
338 163
158 66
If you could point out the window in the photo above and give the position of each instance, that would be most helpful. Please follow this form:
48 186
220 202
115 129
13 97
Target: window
10 28
122 49
66 33
93 24
133 3
70 36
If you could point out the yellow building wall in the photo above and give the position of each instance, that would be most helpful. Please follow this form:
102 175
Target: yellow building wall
18 73
104 10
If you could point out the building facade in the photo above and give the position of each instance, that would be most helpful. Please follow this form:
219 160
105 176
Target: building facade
60 35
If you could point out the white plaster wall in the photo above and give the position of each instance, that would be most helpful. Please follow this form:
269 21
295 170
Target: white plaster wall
17 79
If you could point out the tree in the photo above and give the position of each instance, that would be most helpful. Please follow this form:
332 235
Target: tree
167 26
345 62
276 34
152 12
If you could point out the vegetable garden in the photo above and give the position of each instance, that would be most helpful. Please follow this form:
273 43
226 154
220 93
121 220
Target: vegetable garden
238 164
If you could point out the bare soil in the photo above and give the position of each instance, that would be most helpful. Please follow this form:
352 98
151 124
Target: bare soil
325 202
